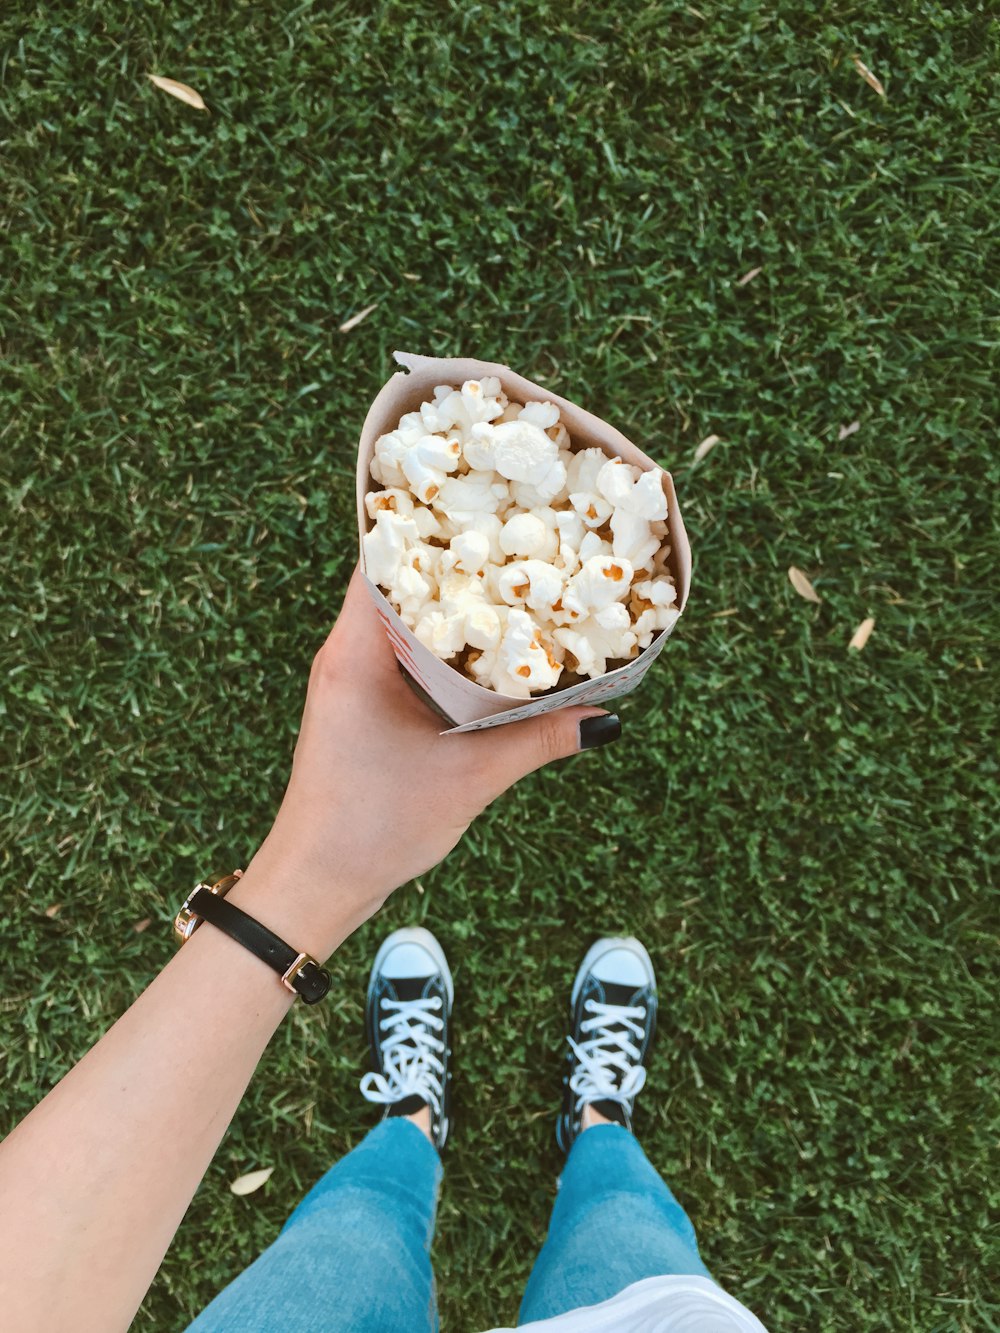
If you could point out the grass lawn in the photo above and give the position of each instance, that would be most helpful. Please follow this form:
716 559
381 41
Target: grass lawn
800 833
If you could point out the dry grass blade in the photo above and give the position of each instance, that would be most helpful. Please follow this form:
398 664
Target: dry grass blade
53 911
179 90
867 75
706 447
252 1180
802 585
144 924
844 431
748 277
862 634
355 320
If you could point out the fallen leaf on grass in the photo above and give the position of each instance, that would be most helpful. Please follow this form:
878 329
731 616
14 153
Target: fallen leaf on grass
179 90
862 634
844 431
251 1181
706 446
144 924
355 320
867 75
748 277
54 910
802 585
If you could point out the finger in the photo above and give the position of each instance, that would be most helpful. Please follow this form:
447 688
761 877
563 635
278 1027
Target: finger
509 752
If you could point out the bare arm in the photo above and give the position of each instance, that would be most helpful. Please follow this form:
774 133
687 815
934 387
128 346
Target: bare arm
96 1179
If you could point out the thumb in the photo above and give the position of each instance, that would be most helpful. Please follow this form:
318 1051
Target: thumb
512 751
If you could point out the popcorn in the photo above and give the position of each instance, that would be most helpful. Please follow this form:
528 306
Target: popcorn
425 481
477 400
478 492
471 550
601 580
632 539
653 602
593 509
526 496
386 466
435 452
530 534
593 647
400 501
409 456
613 616
520 451
584 468
443 635
386 545
463 617
570 527
429 524
412 591
511 412
593 544
525 657
484 626
533 583
626 487
544 415
508 554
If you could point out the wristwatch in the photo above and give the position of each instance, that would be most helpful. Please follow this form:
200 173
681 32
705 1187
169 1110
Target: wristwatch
299 972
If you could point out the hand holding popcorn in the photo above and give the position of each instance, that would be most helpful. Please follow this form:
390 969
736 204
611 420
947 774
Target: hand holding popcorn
377 795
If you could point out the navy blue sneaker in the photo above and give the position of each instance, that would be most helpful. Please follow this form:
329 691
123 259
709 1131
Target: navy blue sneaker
613 1021
407 1016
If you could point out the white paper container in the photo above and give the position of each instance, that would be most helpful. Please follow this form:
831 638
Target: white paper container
463 704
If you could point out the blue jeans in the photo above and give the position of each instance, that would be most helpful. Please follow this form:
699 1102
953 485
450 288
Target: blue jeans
355 1254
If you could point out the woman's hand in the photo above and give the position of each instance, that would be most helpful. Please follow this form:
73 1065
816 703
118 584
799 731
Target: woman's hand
377 795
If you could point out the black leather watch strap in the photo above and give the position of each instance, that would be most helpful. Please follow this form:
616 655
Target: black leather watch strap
298 971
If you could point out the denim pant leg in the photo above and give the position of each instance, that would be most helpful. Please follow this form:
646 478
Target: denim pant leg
354 1257
614 1222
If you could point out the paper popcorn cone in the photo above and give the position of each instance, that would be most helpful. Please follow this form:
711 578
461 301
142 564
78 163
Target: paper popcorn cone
464 705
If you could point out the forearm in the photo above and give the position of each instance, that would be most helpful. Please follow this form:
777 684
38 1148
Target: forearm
96 1179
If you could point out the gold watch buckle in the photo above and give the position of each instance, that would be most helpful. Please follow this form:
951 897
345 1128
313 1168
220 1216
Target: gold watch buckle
187 922
295 969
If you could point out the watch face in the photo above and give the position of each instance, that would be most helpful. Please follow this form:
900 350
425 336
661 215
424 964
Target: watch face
187 921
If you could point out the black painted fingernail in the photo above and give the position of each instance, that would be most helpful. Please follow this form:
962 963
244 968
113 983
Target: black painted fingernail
596 731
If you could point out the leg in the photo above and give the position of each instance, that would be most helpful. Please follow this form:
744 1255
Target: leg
614 1223
354 1255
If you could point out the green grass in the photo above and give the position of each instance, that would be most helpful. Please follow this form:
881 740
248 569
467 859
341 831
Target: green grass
803 836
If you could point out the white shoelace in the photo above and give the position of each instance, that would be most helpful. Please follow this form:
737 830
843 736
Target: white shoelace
609 1069
410 1054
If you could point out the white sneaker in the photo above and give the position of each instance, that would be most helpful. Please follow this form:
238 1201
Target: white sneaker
407 1017
613 1021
